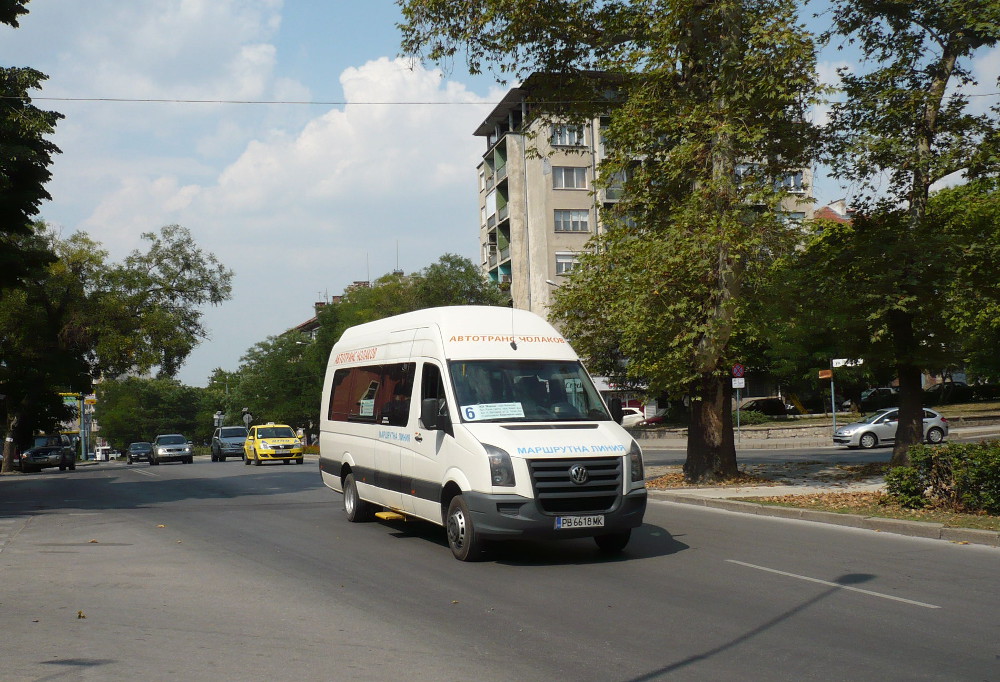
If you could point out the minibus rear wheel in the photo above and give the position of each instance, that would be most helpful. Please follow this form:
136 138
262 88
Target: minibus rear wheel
357 509
465 542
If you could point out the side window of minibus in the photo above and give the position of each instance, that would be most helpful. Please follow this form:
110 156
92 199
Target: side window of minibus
393 402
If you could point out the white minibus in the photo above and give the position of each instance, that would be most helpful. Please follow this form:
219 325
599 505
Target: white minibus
479 419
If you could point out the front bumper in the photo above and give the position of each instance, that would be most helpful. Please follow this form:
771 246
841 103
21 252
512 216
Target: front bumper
512 516
279 455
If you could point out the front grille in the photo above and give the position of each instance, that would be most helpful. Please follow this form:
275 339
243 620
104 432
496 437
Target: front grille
557 494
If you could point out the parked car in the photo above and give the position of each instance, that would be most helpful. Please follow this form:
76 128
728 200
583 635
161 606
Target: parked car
227 441
631 416
272 443
947 393
880 429
49 450
876 399
172 447
140 451
769 406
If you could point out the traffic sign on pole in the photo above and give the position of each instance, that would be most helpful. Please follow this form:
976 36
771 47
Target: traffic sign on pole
738 370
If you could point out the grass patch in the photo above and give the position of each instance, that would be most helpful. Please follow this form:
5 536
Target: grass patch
878 504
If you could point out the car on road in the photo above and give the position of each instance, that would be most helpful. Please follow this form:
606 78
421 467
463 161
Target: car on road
880 429
49 450
172 447
272 443
140 451
227 441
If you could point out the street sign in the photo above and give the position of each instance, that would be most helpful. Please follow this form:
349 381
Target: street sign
846 362
738 370
739 383
826 374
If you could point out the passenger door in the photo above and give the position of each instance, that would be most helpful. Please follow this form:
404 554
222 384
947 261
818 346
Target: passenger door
885 427
423 468
392 409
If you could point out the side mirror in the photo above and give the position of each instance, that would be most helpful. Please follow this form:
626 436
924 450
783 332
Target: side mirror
617 413
432 417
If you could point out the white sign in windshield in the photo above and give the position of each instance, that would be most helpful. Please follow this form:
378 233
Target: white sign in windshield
493 411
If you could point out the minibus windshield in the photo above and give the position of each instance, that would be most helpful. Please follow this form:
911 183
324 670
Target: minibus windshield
525 391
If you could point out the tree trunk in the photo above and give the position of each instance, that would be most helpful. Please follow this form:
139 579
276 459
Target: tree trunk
711 450
910 429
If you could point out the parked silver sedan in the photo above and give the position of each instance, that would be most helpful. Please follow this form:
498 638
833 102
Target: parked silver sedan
880 429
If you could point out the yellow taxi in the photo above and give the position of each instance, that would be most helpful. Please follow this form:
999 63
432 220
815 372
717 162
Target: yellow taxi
272 443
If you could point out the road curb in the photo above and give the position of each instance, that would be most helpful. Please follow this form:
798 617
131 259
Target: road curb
918 529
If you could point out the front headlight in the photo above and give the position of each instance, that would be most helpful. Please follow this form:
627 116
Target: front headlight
635 463
501 470
264 445
161 451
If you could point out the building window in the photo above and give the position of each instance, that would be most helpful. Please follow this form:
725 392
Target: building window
567 136
566 177
793 182
572 221
565 262
482 179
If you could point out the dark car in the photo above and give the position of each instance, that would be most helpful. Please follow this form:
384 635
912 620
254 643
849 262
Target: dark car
769 406
227 441
876 399
947 393
139 452
49 451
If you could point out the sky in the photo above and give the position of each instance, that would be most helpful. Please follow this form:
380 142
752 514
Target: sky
368 163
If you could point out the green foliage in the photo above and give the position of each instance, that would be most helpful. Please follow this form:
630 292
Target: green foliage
134 409
906 486
80 317
25 156
752 418
964 477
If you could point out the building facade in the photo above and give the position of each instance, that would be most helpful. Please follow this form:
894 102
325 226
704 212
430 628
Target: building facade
538 205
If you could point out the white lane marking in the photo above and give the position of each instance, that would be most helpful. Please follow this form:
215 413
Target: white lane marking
143 473
830 584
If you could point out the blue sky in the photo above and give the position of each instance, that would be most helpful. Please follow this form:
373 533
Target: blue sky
299 199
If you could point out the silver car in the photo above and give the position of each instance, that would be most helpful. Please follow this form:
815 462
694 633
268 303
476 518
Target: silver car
171 447
880 428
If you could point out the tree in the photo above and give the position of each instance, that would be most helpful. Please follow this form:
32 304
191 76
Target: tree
902 126
707 103
25 156
136 409
80 318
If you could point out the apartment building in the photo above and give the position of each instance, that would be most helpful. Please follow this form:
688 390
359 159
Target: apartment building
537 201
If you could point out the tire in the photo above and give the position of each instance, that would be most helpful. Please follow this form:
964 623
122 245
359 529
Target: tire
72 465
613 543
189 460
868 441
153 461
356 509
246 460
300 461
256 459
222 458
463 539
935 435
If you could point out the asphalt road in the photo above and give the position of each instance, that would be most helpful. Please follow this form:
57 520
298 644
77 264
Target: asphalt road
225 572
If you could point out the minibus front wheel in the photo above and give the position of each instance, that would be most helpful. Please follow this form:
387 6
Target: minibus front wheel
465 542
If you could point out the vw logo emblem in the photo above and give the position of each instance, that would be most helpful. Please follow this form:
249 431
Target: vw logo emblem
579 474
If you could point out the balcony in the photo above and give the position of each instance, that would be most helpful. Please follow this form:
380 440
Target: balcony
503 213
504 254
501 173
